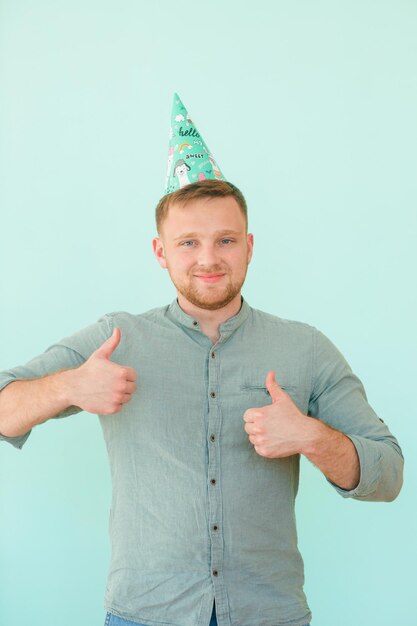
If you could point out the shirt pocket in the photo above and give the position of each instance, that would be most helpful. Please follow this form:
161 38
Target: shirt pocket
259 396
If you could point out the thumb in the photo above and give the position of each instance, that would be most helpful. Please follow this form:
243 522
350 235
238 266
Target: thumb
274 389
109 346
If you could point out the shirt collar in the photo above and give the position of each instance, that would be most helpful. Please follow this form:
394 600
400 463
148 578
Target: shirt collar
177 315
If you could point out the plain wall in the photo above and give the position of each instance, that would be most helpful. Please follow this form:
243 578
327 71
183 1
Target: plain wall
310 108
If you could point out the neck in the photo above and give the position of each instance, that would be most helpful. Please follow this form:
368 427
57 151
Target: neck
210 321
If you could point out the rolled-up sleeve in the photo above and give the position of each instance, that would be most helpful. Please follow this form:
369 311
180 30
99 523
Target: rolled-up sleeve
339 400
68 353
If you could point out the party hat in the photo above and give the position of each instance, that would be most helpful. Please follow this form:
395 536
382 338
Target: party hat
189 159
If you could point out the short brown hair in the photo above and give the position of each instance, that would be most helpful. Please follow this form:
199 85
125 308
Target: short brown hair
210 188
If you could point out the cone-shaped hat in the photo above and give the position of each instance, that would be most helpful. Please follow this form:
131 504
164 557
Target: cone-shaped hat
189 159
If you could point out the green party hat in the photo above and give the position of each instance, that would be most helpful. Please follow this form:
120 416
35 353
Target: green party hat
189 159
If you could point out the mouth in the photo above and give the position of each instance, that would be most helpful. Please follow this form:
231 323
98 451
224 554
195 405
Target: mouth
209 278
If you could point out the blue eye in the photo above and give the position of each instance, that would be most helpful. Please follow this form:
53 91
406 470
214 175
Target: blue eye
226 241
187 244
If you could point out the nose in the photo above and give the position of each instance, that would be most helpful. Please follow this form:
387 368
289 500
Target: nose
208 255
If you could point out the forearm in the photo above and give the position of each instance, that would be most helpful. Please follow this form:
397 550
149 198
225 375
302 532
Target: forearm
334 454
27 403
97 386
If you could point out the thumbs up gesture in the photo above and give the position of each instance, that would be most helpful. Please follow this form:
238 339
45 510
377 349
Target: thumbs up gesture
99 385
278 429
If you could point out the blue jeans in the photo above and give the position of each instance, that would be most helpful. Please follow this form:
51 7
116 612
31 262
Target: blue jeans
113 620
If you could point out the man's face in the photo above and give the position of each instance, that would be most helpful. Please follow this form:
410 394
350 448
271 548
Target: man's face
206 250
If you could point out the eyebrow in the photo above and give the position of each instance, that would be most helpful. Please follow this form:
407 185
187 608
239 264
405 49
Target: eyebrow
218 233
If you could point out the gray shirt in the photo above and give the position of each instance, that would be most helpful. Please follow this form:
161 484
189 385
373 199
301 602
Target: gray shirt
196 513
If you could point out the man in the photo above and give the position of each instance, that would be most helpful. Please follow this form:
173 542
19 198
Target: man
203 442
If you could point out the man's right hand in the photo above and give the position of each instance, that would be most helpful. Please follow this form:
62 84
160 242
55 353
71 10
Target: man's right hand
99 385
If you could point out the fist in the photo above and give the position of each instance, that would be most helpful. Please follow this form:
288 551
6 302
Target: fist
101 386
279 429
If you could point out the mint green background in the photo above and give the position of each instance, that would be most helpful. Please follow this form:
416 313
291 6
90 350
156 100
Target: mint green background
308 106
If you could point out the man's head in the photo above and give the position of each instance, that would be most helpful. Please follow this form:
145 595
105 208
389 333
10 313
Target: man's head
203 242
195 191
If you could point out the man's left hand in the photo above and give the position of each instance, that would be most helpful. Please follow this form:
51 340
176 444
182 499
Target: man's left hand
279 429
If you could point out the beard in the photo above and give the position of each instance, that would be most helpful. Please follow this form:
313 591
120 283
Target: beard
212 298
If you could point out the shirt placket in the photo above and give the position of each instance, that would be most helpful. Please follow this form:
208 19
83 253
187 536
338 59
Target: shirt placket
214 488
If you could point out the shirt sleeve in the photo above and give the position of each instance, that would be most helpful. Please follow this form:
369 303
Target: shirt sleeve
339 400
68 353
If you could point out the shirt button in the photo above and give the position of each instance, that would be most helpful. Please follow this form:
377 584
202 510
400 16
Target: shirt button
213 355
212 437
213 481
215 572
215 527
212 394
195 323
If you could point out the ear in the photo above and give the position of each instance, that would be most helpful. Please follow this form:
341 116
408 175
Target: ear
158 250
250 241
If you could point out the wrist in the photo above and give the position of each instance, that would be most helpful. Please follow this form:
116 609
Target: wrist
316 437
64 386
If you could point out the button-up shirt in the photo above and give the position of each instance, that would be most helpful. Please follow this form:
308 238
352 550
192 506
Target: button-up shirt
196 513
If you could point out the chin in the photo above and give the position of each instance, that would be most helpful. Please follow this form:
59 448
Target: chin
211 304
